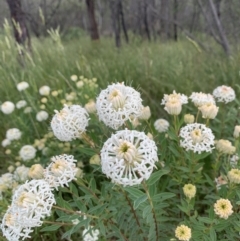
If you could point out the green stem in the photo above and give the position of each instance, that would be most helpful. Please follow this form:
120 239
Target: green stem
62 224
153 211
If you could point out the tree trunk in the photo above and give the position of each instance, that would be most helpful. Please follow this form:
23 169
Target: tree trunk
115 14
218 7
175 34
123 21
224 40
92 20
21 33
145 19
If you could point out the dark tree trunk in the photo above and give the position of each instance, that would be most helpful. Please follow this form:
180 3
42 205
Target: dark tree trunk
21 33
123 21
92 20
115 14
175 35
145 19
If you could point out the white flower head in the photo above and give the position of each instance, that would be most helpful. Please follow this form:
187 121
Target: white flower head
36 171
34 199
7 107
42 116
69 123
22 86
90 236
6 181
209 111
13 134
117 104
183 99
173 107
225 147
183 233
197 138
61 171
21 173
6 142
161 125
234 176
223 208
234 160
236 133
44 90
27 152
128 157
21 103
224 94
199 99
189 190
12 227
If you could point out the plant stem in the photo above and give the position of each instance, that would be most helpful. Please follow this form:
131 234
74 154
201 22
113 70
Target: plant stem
133 211
62 224
153 211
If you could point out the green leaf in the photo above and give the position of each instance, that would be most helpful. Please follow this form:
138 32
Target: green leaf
146 211
205 220
87 151
139 200
163 196
136 193
157 175
213 236
51 228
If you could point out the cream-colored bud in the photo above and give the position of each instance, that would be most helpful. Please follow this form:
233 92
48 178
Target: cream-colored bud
44 100
17 164
189 119
91 106
79 173
11 168
173 107
54 93
36 171
145 113
150 136
209 111
225 147
236 132
95 160
8 152
189 190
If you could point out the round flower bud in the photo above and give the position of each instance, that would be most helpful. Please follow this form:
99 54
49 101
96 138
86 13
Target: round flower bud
36 171
225 147
6 142
22 86
74 78
27 110
79 173
7 107
183 233
44 90
42 116
145 113
234 176
27 152
161 125
223 208
189 119
236 132
79 84
95 160
54 93
209 111
189 190
91 107
173 107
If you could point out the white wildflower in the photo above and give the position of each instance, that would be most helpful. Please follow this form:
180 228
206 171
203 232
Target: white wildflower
199 99
117 104
223 208
196 137
224 94
22 86
74 78
90 236
21 103
175 96
128 157
6 142
225 147
69 123
21 173
13 134
61 171
27 152
42 116
161 125
44 90
183 233
7 107
209 111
